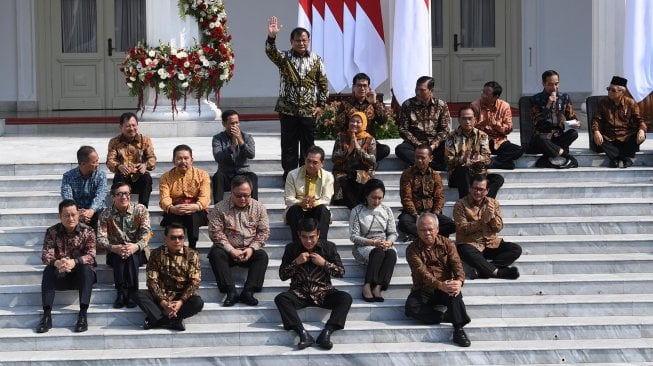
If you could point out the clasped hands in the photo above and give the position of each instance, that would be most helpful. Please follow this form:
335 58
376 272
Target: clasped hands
125 169
241 255
184 208
383 244
304 257
451 287
171 308
64 265
124 250
308 202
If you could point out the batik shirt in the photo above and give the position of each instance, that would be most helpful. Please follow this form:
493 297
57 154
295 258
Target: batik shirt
470 228
421 191
617 121
562 110
460 149
236 227
171 276
130 153
130 226
495 121
375 113
59 244
424 123
176 187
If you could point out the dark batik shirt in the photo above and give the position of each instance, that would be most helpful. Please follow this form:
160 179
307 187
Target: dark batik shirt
562 109
617 121
59 244
375 113
424 123
421 191
173 276
307 280
130 226
430 265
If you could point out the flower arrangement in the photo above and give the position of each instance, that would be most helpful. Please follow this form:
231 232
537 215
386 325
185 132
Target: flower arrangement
324 129
198 71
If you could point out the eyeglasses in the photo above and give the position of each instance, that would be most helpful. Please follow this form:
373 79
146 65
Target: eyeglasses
242 195
614 90
478 189
176 237
121 194
466 118
362 86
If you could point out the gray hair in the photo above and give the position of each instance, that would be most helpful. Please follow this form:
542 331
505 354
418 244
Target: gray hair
425 215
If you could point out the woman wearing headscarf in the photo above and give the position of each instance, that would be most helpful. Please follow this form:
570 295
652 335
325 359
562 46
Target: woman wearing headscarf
353 161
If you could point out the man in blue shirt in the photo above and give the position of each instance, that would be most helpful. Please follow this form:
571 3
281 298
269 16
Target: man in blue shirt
86 185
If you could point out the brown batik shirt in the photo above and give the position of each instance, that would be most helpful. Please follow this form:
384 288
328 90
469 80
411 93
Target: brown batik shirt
421 191
424 123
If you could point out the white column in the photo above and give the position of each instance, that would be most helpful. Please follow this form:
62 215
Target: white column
608 17
165 25
26 66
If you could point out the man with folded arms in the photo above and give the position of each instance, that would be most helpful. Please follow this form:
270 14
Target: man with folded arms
309 264
478 221
173 277
239 227
617 126
185 194
69 257
124 232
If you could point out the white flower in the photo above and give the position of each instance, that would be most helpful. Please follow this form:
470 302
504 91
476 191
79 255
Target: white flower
182 54
186 64
211 25
130 85
206 63
173 51
184 84
181 76
132 78
161 71
152 53
162 85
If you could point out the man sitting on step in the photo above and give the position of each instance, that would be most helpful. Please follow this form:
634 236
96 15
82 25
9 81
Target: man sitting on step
124 232
421 191
438 278
185 194
239 227
478 221
69 257
173 278
309 264
232 148
86 185
617 126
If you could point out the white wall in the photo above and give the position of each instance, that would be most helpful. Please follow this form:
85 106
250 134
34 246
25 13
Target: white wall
557 34
8 59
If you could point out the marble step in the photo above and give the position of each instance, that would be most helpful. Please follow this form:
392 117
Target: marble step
528 265
99 337
622 287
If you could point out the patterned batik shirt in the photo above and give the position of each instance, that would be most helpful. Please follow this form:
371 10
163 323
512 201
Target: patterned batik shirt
130 226
421 191
130 153
308 280
375 113
460 149
424 123
236 227
193 186
303 85
88 192
171 276
562 110
495 121
470 228
430 265
617 121
59 244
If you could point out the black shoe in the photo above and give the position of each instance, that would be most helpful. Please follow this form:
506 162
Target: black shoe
460 338
614 163
305 339
44 324
247 297
324 339
542 162
509 273
149 324
367 299
572 162
628 162
378 299
82 324
120 300
177 324
231 299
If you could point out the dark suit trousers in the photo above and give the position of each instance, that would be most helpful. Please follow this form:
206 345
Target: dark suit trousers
422 306
142 186
288 303
125 271
620 150
153 311
505 155
551 147
380 266
487 261
191 222
320 213
80 278
408 224
461 178
406 153
221 262
295 131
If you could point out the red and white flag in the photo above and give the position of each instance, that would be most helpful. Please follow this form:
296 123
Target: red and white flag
349 30
317 28
638 48
369 41
334 44
304 14
411 46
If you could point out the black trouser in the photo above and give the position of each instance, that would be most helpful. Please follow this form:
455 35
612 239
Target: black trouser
461 178
222 183
142 186
550 148
295 131
320 213
505 155
382 151
191 222
501 257
352 191
125 271
221 262
406 153
154 312
421 306
621 149
408 224
337 301
80 278
380 266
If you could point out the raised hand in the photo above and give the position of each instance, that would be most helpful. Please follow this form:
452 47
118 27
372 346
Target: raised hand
273 27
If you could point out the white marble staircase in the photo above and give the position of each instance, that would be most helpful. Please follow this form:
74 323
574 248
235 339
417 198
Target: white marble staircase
585 294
